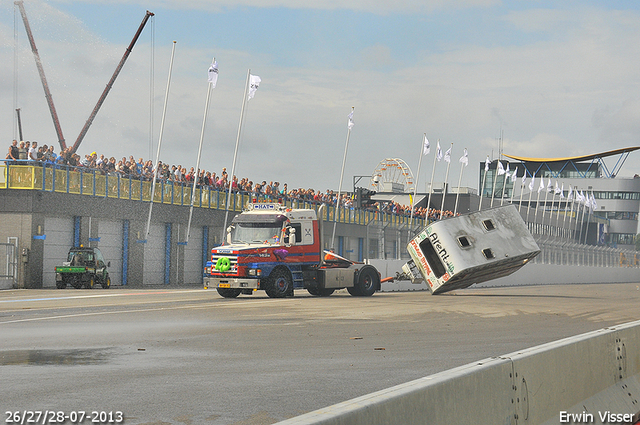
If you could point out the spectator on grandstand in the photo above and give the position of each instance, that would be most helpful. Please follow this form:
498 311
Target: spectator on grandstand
14 152
33 152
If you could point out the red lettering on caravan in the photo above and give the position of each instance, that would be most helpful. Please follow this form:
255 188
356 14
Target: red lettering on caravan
423 260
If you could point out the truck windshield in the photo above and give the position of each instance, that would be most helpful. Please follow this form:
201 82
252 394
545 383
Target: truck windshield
256 233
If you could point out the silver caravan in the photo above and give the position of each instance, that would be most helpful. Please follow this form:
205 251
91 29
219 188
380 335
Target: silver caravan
457 252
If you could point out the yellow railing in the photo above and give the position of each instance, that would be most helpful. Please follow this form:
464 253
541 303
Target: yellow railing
93 183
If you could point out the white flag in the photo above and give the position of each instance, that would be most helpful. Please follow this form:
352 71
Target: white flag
500 169
557 190
524 178
447 155
438 151
562 191
254 83
593 205
350 123
580 198
541 187
506 173
465 158
532 183
570 194
426 148
213 74
514 176
486 164
549 186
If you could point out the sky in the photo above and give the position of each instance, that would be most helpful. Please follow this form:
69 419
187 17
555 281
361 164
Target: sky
550 79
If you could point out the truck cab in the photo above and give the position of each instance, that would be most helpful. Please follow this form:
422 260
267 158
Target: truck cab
278 249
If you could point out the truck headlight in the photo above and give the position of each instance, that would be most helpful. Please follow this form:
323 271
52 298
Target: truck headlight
255 272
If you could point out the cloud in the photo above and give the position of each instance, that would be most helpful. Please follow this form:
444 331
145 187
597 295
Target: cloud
568 90
370 6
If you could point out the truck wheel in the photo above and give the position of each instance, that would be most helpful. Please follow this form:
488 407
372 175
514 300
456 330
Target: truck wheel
90 283
279 284
229 292
106 283
367 282
321 292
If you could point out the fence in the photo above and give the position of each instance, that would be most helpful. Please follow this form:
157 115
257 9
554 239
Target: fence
91 182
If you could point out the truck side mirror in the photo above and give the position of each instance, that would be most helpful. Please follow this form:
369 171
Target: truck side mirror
229 234
292 236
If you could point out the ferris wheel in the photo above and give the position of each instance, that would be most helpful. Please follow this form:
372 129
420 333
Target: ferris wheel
392 174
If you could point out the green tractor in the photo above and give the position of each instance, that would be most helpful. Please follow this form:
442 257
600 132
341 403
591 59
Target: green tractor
84 268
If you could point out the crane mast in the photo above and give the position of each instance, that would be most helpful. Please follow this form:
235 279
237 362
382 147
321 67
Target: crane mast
84 130
47 92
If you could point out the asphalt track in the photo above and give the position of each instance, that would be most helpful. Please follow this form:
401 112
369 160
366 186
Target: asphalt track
187 356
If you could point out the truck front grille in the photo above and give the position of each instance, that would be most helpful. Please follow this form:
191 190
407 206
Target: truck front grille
233 261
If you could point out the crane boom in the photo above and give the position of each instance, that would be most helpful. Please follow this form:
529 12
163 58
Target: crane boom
47 93
84 130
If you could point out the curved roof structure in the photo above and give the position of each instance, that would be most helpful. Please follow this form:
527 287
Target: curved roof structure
576 158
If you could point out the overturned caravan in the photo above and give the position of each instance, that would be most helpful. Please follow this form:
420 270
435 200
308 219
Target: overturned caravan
457 252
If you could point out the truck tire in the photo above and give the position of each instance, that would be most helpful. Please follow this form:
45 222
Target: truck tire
367 282
106 283
90 283
324 292
229 292
279 284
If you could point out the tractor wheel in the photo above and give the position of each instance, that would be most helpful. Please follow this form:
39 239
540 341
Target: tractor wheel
90 283
61 285
279 284
106 283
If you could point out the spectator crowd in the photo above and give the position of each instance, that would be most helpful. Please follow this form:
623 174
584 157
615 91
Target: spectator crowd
24 152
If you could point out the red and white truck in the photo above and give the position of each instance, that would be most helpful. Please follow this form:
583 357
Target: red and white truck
279 249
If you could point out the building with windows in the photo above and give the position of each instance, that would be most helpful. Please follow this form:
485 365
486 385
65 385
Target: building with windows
612 220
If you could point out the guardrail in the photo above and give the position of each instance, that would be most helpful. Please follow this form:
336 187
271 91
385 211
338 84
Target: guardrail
590 378
91 182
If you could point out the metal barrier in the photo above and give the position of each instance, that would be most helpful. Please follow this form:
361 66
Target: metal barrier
590 378
92 182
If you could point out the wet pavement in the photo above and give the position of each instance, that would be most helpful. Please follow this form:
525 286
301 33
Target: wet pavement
187 356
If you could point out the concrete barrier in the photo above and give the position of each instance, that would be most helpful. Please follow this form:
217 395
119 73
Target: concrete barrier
594 376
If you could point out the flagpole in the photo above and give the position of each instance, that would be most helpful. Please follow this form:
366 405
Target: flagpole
582 223
544 208
522 183
514 178
433 171
560 203
553 200
164 113
564 219
235 154
531 185
446 177
535 217
504 185
195 179
462 165
484 179
588 205
344 160
415 189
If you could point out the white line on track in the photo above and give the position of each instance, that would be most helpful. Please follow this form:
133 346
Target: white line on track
142 310
100 296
